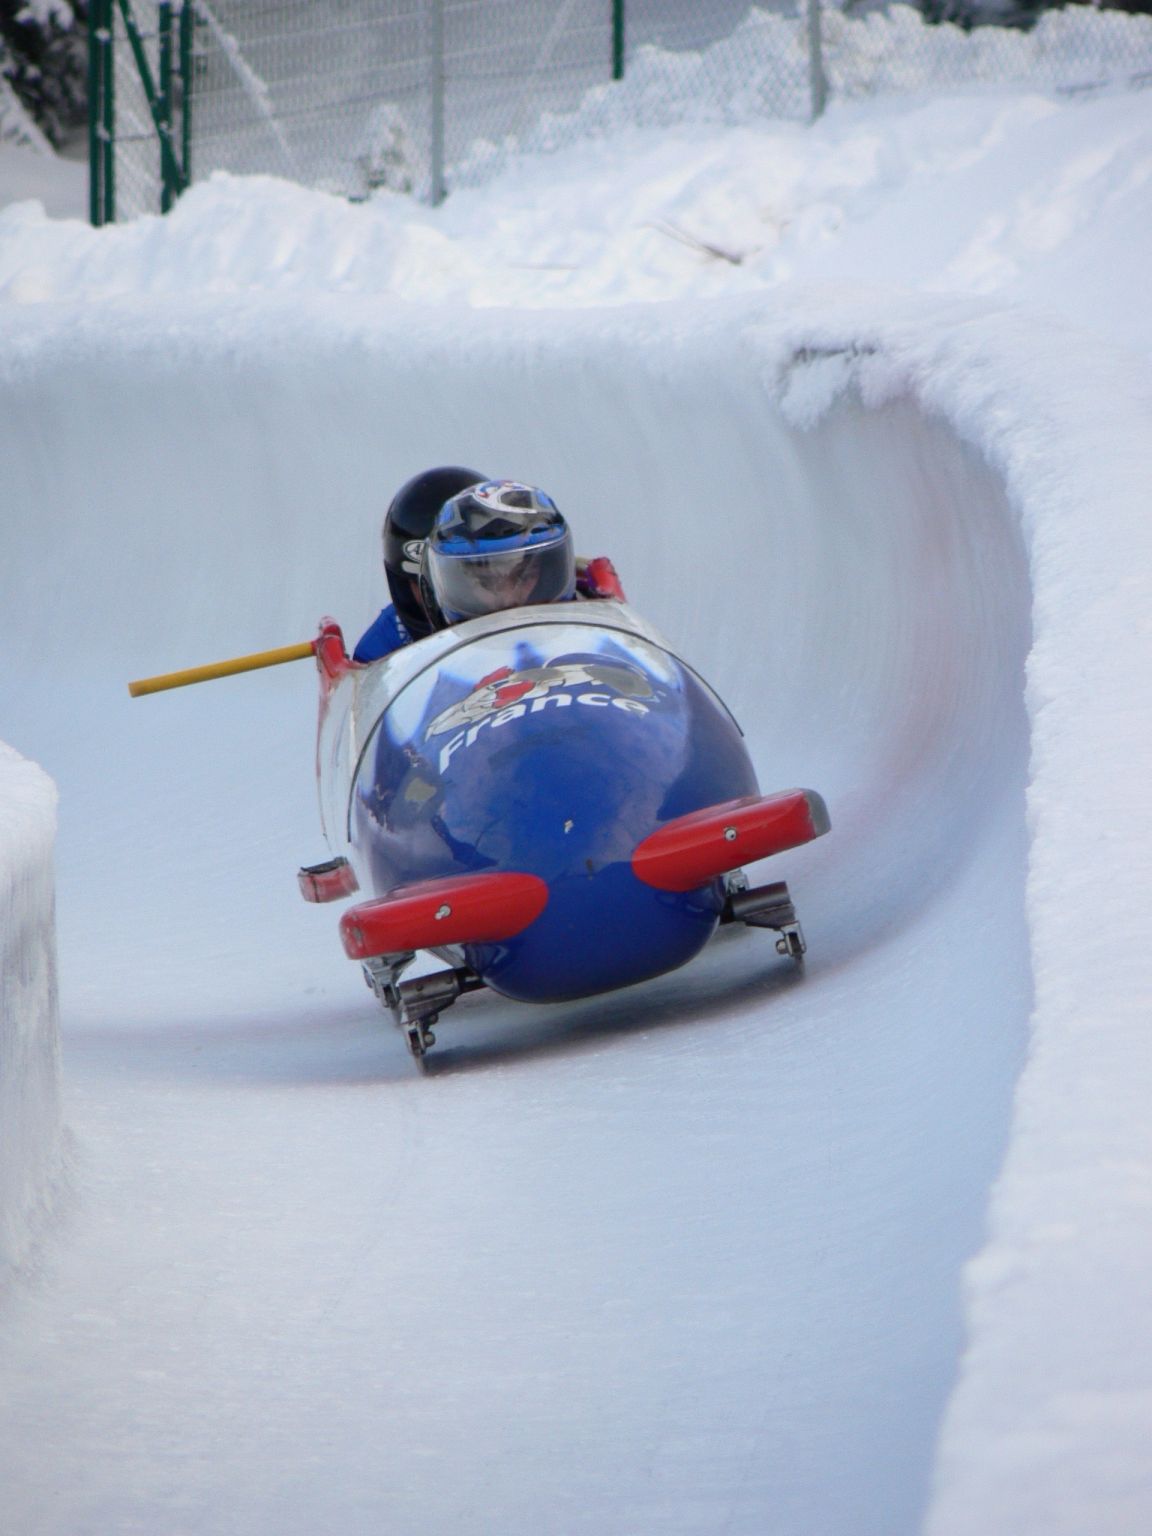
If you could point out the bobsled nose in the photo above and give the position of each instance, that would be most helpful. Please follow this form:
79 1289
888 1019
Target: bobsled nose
691 850
459 909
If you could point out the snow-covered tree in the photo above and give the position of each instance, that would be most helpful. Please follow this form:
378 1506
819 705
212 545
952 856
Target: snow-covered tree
43 60
1012 13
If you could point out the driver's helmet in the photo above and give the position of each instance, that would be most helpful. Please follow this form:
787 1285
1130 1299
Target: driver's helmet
406 526
498 545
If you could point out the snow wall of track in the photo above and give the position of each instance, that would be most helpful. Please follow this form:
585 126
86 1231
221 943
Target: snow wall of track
29 1045
268 437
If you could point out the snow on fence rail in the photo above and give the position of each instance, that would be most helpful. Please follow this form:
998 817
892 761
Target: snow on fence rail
29 1042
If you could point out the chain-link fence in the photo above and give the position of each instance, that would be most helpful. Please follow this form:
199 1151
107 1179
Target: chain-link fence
139 65
414 95
422 96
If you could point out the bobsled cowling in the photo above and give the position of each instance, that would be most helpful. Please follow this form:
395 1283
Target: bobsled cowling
567 744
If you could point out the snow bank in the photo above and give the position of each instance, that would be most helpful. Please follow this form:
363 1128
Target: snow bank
1052 1418
1049 1425
1018 197
29 1048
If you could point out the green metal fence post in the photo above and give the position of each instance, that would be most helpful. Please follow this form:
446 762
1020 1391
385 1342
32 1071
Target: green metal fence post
187 23
617 39
93 118
170 171
101 114
164 104
108 124
436 103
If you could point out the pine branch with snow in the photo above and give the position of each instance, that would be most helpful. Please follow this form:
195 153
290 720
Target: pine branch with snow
43 68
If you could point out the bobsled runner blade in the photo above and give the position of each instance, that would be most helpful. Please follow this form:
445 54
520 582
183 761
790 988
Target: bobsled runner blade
693 849
459 909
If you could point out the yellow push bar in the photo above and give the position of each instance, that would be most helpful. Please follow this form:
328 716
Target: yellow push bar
222 669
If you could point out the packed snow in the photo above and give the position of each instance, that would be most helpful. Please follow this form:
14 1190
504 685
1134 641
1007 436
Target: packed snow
30 1146
862 411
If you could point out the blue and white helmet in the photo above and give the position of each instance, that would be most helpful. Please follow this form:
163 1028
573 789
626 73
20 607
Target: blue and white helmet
500 544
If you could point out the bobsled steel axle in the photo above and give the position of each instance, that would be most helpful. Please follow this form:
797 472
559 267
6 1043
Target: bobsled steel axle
416 1005
766 906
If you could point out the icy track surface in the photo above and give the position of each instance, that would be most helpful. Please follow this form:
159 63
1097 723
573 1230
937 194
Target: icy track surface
652 1261
688 1258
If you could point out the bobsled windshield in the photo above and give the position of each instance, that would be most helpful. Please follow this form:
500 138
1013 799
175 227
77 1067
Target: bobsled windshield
469 585
407 688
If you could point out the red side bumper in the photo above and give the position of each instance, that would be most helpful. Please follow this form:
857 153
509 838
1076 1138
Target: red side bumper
461 909
696 848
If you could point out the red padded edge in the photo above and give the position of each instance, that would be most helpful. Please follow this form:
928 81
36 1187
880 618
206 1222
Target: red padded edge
598 578
461 909
328 882
696 848
332 659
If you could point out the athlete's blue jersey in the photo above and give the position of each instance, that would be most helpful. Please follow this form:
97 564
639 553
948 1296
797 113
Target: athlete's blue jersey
383 637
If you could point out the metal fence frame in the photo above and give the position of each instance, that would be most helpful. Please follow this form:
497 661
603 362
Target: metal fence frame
160 37
149 74
167 91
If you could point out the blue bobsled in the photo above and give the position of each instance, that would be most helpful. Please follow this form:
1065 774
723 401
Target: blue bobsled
546 798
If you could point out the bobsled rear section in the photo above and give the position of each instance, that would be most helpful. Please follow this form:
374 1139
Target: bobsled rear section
547 797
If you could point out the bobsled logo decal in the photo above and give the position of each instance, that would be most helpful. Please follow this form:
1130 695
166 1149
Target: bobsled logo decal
500 689
506 695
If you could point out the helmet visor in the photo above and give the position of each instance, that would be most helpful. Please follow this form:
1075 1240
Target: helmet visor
468 585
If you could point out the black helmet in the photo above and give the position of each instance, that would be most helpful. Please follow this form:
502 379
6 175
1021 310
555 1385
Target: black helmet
407 524
498 545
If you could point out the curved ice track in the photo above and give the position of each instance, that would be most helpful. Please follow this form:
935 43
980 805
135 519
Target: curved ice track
681 1259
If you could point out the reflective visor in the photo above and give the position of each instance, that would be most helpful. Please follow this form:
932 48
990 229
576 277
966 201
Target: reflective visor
468 585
